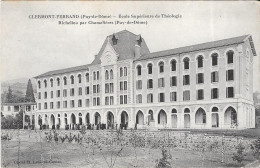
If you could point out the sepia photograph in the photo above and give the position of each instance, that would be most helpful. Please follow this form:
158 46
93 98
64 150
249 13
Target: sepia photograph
130 84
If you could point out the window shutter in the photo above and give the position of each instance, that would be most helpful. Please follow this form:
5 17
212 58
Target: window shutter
226 75
162 82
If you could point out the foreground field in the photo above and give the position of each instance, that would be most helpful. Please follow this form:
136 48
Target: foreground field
31 149
75 155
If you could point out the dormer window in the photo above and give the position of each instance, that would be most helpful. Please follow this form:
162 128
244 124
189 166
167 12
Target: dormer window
114 40
139 41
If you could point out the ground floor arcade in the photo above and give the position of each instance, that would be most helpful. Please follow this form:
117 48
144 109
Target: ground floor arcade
223 116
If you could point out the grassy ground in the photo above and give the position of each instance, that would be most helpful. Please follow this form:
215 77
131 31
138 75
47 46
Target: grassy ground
78 155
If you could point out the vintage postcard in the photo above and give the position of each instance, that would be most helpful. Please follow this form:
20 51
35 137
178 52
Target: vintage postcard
130 84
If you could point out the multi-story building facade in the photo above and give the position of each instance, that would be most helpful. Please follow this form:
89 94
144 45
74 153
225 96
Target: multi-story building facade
207 86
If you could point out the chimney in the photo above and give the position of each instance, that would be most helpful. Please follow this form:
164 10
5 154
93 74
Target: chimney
137 51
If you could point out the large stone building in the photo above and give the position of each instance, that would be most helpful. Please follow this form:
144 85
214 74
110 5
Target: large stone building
202 86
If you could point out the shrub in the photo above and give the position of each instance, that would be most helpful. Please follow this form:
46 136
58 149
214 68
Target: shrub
164 162
255 147
239 155
58 126
44 126
67 127
48 136
5 137
63 138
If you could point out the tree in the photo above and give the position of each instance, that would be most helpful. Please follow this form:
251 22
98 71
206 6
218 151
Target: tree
9 96
19 119
29 97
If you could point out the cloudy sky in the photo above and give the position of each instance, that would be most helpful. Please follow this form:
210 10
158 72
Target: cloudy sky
30 47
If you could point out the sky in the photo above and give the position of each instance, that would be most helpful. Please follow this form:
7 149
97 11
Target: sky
30 47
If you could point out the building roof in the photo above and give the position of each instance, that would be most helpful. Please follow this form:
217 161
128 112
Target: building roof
125 46
62 71
197 47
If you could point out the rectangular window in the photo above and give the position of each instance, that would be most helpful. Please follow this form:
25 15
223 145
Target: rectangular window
173 81
111 88
94 89
186 95
45 95
72 104
58 104
97 75
94 101
39 106
111 100
149 83
200 94
80 91
139 98
51 105
87 90
125 85
51 94
107 88
98 101
173 96
94 75
161 82
230 92
45 106
65 93
58 93
125 99
150 98
107 100
139 84
87 102
186 80
79 103
98 88
39 95
230 74
121 86
121 99
125 71
214 76
72 92
200 78
65 104
161 97
214 93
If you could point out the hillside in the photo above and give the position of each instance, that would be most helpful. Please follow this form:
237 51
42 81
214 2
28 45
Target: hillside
18 87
